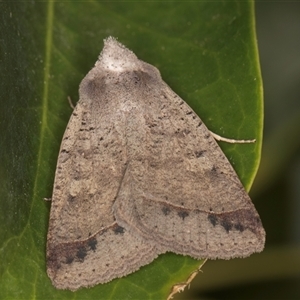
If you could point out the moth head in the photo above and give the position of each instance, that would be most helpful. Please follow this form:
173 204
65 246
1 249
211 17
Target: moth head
117 58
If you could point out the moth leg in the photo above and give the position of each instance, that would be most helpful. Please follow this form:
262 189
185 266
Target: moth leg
232 141
181 286
70 102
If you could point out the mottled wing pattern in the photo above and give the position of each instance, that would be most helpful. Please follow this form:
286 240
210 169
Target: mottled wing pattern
139 174
179 189
85 243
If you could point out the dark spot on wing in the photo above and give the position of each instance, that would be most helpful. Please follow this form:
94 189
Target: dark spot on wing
227 224
92 243
200 153
166 210
69 260
71 198
239 220
70 252
239 227
212 219
118 229
81 253
183 214
214 169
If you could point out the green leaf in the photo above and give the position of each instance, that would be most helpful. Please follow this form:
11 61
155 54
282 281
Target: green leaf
206 52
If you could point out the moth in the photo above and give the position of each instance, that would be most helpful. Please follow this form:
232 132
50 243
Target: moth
139 174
